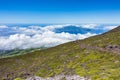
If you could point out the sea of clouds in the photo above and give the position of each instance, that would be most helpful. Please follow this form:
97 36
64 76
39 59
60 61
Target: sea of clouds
20 37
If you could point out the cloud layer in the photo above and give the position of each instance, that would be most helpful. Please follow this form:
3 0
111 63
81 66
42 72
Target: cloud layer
38 36
3 26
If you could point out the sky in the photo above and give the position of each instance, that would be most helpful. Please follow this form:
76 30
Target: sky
59 11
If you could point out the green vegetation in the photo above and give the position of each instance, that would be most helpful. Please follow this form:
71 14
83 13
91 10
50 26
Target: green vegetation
87 58
16 52
18 79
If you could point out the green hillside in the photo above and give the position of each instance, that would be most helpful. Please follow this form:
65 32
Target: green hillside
16 52
97 57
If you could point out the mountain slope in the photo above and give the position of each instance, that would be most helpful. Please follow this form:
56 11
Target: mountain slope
96 57
16 52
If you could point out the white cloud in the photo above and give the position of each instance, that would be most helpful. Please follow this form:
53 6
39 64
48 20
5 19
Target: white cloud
41 37
53 27
3 26
47 39
90 26
37 36
109 27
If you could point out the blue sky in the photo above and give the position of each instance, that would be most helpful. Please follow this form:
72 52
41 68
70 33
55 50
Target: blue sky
59 11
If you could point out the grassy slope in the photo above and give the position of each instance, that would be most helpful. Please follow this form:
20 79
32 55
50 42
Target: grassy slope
17 52
68 58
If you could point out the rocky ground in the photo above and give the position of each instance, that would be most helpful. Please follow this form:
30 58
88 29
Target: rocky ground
108 48
59 77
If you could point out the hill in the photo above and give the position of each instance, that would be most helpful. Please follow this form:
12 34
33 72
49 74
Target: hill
16 52
96 58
